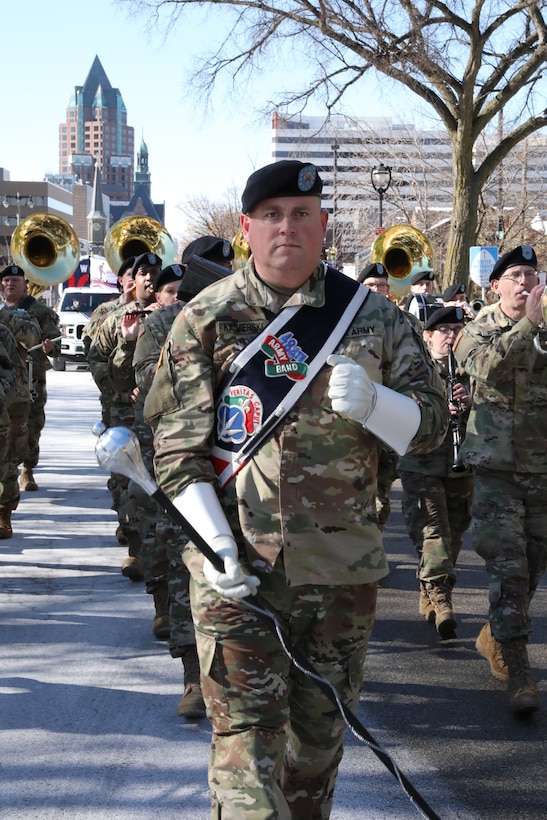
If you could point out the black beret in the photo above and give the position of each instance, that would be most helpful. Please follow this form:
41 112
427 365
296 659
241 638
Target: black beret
146 260
12 270
209 247
422 276
451 315
173 273
289 177
126 265
452 291
375 269
521 255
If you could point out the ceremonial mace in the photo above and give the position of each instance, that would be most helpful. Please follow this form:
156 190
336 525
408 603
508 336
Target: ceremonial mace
118 450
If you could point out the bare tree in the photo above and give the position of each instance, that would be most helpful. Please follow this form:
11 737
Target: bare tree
209 218
467 59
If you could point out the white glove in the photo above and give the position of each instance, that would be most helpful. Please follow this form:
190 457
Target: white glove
232 583
351 391
201 507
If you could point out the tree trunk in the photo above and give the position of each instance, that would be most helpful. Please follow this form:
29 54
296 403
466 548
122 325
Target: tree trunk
464 214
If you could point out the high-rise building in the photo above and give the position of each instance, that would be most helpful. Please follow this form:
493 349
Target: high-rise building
96 132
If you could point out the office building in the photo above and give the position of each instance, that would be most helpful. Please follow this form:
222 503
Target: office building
96 131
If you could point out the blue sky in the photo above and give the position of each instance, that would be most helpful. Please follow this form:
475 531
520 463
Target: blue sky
48 48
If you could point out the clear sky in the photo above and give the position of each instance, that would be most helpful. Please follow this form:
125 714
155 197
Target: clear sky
48 48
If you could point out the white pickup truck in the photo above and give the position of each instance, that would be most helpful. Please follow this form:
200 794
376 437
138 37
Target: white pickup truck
75 307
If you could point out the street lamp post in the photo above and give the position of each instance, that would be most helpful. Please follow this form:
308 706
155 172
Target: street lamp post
381 180
20 201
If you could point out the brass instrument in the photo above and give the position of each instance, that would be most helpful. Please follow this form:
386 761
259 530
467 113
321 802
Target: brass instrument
403 251
135 235
242 250
47 249
540 341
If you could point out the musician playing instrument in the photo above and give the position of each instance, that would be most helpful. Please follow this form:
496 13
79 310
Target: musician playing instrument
505 446
437 494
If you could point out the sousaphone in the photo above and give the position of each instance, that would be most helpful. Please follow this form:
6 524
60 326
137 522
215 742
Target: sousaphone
47 249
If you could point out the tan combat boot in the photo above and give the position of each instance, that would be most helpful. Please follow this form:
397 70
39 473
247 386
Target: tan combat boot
440 596
27 480
487 646
132 566
160 624
191 704
425 607
523 693
5 523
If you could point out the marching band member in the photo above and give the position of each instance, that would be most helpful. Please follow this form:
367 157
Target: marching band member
244 384
505 446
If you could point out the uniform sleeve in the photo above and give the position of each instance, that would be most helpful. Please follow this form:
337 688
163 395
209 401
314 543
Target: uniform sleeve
180 408
489 352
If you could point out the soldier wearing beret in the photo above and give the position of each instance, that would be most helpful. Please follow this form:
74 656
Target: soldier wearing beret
167 284
437 492
291 520
212 248
13 285
109 350
505 445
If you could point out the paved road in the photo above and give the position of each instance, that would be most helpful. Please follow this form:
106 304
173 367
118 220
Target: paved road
88 723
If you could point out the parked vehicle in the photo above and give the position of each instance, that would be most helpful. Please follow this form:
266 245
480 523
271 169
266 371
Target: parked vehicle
75 307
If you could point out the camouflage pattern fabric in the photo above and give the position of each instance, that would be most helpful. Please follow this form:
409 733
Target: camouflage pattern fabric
299 511
95 320
437 512
26 332
49 325
8 355
169 539
387 474
437 501
277 740
505 444
313 480
508 530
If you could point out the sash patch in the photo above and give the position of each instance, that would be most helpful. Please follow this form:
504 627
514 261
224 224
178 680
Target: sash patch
239 415
286 357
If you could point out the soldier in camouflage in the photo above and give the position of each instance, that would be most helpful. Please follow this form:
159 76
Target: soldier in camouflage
14 287
505 446
27 332
294 519
436 497
104 344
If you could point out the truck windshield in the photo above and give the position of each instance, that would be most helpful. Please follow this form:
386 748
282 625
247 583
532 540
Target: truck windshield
85 302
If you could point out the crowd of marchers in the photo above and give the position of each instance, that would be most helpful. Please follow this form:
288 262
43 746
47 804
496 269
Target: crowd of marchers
276 401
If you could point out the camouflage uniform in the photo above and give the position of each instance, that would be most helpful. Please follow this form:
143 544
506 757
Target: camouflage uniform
437 503
49 325
298 512
27 333
95 321
169 539
8 355
505 445
103 345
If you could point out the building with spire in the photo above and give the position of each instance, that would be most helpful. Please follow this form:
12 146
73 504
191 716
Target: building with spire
140 203
97 220
96 133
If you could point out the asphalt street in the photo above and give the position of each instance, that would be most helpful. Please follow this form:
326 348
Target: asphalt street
88 697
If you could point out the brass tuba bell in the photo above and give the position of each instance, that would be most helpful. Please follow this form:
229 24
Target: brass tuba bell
134 235
242 250
47 249
403 251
